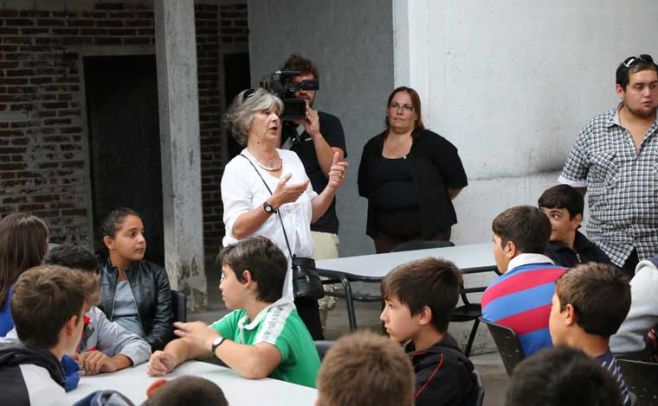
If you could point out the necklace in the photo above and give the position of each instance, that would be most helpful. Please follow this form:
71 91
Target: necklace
270 165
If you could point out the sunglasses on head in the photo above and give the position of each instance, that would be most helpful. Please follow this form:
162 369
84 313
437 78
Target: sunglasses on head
247 94
634 60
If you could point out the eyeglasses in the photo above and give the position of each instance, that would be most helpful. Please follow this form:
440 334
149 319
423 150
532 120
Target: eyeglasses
398 106
633 60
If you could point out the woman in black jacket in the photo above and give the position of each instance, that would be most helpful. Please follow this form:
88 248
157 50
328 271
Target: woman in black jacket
135 293
409 176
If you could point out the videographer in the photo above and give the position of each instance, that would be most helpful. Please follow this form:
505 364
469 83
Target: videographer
316 139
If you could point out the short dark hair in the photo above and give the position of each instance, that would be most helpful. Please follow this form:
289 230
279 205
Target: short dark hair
562 376
631 65
45 298
430 282
562 197
72 256
265 261
79 259
187 389
526 226
301 64
600 295
365 369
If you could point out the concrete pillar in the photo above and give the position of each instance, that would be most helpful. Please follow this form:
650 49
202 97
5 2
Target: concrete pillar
179 139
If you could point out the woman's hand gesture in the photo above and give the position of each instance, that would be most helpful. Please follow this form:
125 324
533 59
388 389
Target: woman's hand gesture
337 171
287 192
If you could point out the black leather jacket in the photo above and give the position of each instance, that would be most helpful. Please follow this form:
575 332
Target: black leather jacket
150 286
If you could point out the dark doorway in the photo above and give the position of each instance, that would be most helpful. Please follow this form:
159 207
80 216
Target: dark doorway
124 140
237 78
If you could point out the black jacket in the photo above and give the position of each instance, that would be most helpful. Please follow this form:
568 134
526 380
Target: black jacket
15 389
150 286
436 168
584 251
444 376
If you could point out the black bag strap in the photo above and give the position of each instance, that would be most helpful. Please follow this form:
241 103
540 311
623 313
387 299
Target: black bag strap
278 212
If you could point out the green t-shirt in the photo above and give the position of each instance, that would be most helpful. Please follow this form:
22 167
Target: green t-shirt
279 325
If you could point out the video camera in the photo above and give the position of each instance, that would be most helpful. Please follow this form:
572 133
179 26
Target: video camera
281 84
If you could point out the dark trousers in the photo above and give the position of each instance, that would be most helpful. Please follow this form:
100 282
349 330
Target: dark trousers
309 312
630 264
385 242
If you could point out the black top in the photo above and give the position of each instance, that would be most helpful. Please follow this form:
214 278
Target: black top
396 204
332 131
150 286
585 251
444 375
436 168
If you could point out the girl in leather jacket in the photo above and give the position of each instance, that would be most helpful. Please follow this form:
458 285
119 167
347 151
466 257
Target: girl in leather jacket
135 292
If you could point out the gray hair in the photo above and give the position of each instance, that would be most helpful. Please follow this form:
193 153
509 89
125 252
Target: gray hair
241 112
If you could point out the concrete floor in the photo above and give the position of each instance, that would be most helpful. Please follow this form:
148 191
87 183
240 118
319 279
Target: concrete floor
484 356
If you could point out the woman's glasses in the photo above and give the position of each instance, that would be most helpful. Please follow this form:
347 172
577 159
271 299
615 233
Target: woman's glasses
398 106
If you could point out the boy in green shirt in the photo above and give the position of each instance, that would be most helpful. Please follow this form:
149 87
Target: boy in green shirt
264 336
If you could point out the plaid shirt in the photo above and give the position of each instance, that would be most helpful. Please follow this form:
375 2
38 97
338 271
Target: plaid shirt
622 186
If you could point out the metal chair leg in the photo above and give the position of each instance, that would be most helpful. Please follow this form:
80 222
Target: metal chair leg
471 337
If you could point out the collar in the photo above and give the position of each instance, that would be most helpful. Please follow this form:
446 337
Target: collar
525 259
245 324
613 116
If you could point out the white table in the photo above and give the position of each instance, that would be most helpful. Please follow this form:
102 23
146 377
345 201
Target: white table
472 258
133 382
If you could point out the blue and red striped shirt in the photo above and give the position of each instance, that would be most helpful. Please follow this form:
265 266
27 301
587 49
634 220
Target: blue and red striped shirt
521 300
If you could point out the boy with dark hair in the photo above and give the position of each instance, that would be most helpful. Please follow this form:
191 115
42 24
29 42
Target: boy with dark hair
419 298
105 346
564 205
521 298
590 303
365 369
186 390
263 336
47 309
561 376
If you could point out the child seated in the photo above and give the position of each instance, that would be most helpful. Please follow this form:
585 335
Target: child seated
561 376
521 298
365 369
105 346
419 298
185 390
263 336
564 206
47 309
589 304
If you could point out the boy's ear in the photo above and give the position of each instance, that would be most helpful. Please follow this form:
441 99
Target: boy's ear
570 316
576 220
510 249
425 316
71 324
248 278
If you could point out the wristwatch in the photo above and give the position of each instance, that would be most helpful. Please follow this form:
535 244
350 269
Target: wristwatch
268 208
216 343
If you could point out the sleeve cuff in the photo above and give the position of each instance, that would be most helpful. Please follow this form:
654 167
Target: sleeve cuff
573 183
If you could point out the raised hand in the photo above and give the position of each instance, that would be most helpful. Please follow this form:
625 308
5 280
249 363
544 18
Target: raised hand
337 171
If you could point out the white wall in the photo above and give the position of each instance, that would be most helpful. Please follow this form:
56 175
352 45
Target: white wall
511 83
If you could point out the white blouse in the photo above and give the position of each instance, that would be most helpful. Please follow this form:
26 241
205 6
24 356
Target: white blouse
243 190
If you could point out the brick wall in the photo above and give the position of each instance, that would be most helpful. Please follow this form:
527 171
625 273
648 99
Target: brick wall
44 165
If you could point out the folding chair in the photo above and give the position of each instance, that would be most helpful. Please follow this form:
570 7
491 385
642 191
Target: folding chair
508 345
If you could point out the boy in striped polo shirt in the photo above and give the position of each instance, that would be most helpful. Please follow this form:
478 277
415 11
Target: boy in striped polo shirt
590 303
521 298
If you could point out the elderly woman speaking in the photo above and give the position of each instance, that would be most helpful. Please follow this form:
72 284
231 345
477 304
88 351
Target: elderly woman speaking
250 209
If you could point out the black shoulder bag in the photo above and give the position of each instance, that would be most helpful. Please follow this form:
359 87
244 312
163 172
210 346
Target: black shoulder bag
306 281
